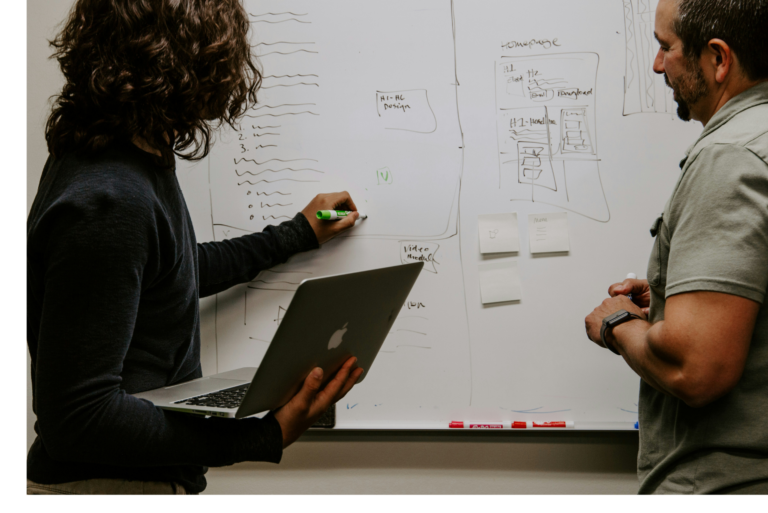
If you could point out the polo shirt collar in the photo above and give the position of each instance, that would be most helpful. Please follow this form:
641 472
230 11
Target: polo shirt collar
753 96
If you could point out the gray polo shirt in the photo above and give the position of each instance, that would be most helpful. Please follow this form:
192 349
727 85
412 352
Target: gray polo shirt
713 235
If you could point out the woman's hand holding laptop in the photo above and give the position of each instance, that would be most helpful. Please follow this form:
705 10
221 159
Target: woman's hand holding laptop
311 401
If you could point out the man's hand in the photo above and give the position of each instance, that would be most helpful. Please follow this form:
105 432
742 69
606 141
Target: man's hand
326 230
594 321
310 402
641 292
697 353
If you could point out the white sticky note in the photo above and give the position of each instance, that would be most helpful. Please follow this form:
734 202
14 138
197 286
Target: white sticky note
548 233
500 281
498 233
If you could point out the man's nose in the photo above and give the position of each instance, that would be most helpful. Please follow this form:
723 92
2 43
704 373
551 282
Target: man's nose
658 62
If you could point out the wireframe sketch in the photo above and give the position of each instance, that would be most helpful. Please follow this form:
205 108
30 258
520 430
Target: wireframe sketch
546 131
380 119
644 90
331 115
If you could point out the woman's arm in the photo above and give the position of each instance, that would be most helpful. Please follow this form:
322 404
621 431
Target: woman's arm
230 262
96 264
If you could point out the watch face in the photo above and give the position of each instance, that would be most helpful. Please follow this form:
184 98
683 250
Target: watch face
616 318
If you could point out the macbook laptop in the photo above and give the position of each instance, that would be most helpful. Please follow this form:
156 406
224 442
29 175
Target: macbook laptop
329 320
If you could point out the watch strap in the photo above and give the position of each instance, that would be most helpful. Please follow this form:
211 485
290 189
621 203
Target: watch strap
612 321
610 347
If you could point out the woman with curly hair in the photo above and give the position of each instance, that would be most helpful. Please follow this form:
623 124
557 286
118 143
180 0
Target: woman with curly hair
114 271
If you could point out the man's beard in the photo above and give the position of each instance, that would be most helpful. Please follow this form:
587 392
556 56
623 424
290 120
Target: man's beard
689 89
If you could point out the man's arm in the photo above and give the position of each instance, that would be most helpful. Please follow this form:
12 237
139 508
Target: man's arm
716 279
696 354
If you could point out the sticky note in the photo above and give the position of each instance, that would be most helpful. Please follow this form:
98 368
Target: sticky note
548 233
499 281
498 233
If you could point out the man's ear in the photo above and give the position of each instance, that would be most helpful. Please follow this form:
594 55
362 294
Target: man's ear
721 59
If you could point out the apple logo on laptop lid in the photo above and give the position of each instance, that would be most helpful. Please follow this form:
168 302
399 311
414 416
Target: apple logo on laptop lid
335 340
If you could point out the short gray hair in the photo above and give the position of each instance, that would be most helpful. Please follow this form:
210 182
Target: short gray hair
743 24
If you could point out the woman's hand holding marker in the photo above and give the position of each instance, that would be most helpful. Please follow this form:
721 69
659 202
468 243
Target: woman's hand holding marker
333 201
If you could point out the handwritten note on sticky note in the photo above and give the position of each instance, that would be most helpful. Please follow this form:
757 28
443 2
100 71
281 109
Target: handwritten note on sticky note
498 233
548 233
499 281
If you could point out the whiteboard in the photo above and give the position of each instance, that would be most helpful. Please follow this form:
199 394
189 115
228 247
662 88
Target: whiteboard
431 113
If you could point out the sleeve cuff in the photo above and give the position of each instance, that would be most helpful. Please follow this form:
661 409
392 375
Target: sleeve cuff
716 285
296 235
263 440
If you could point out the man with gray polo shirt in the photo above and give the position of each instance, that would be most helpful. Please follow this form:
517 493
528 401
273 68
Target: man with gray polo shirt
696 331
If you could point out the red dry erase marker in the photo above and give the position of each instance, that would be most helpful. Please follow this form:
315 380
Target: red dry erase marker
554 424
490 425
477 425
518 424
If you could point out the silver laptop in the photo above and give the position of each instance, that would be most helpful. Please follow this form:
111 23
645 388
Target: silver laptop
329 320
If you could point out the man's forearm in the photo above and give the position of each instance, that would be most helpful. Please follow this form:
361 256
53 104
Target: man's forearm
638 342
697 354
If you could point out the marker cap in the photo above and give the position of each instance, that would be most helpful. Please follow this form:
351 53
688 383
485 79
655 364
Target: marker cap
330 215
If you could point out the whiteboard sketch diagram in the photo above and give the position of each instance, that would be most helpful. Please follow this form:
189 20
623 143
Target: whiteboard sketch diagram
546 131
363 97
644 90
379 119
331 115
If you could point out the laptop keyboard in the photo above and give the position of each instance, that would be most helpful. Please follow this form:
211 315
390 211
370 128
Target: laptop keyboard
227 398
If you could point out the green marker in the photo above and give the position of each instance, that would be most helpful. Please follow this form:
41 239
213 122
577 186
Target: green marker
332 215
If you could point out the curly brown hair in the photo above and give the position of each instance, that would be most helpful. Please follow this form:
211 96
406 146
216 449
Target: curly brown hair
166 71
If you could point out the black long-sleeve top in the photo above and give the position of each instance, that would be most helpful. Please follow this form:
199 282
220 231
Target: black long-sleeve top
114 276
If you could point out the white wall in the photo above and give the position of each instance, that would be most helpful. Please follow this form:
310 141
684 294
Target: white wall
370 462
43 80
